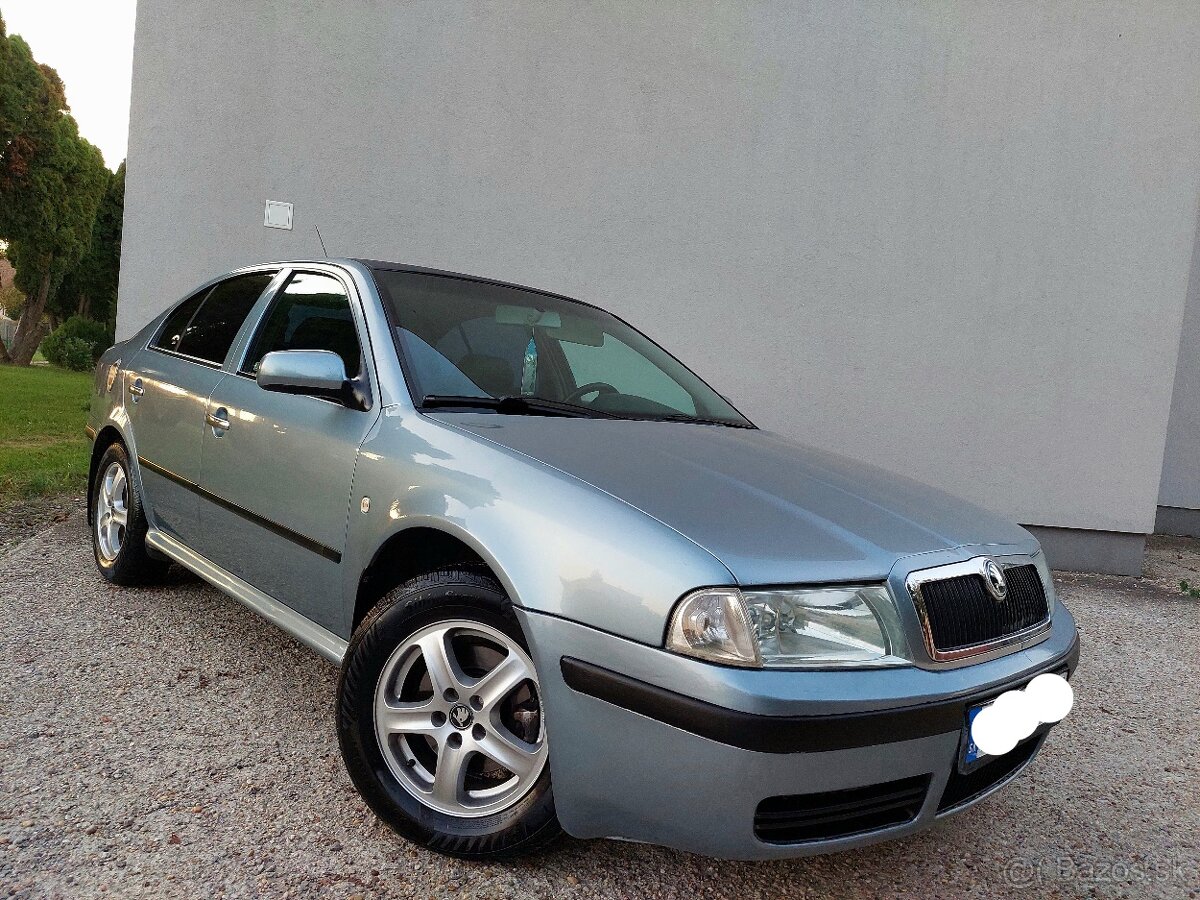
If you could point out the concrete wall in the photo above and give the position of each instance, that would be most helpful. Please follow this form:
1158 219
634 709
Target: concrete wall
951 239
1179 493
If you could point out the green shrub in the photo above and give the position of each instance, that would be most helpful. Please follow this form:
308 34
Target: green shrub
62 346
70 353
52 347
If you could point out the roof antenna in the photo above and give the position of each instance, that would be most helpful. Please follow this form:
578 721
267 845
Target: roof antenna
322 240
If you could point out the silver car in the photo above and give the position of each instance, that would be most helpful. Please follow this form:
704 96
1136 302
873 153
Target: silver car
569 586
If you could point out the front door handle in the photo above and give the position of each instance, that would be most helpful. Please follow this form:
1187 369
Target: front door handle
137 389
218 421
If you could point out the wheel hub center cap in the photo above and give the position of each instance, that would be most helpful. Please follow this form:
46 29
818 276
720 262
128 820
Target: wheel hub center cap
460 716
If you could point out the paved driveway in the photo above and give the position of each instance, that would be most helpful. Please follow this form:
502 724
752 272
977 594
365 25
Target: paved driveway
169 743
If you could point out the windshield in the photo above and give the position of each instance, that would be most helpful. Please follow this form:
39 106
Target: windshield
465 340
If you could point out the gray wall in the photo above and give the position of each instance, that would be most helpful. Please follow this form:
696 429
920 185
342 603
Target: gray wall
953 240
1179 494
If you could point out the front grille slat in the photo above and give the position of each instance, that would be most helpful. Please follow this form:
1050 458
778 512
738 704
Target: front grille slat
899 797
960 611
818 817
816 823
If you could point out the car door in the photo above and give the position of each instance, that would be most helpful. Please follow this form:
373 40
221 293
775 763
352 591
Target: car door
277 474
166 393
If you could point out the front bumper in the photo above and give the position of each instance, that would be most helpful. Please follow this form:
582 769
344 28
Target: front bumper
653 747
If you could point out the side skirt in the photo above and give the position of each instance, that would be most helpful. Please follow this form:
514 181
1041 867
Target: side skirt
328 644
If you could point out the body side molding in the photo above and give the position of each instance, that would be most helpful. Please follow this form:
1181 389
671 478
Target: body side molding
334 556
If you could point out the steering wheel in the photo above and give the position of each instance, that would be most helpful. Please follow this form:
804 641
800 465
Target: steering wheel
592 387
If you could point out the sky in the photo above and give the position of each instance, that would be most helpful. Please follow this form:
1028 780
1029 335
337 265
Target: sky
90 43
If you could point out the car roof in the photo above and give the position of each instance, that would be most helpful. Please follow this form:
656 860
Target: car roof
423 270
383 265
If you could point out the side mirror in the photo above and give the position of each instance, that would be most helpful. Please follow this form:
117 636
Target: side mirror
318 373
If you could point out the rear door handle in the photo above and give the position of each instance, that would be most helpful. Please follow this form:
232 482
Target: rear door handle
218 421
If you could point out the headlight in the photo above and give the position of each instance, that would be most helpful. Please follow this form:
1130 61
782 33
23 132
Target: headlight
789 628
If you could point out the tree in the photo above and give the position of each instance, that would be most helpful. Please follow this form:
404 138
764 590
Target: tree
21 81
51 183
12 301
90 288
48 222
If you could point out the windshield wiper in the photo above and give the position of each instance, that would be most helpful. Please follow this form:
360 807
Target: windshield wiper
539 406
696 420
517 406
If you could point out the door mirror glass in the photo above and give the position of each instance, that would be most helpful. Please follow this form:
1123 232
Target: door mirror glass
314 372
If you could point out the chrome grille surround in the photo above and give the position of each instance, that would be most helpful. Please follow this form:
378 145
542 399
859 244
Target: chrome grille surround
976 566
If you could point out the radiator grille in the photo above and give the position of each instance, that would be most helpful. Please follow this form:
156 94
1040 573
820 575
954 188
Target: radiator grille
961 612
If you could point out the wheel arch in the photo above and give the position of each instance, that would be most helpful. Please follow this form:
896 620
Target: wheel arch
413 550
105 438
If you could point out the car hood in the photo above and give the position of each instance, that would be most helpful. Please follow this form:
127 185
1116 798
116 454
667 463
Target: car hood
771 510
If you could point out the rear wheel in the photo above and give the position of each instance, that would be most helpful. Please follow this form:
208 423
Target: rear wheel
440 719
119 524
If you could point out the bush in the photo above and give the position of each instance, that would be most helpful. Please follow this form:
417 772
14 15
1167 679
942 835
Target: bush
76 344
70 353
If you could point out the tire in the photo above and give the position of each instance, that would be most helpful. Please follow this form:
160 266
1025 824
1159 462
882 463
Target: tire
402 741
119 524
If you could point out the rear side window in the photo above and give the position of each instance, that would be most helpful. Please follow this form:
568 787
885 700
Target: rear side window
172 330
311 313
212 329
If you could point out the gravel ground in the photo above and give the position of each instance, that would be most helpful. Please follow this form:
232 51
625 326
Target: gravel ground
26 517
169 743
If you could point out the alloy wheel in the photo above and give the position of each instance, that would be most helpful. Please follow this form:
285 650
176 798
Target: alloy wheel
458 718
112 512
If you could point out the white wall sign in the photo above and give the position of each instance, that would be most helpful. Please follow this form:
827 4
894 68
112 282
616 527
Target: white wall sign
278 215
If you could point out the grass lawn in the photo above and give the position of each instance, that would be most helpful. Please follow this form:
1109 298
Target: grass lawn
43 449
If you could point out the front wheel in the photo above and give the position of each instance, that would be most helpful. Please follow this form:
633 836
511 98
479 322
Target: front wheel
440 719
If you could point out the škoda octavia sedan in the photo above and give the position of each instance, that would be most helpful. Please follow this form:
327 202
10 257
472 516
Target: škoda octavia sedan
569 586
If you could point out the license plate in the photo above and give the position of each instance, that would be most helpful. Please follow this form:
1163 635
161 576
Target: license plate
972 752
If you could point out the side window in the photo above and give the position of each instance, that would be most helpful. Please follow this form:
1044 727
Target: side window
214 326
629 372
312 312
171 332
